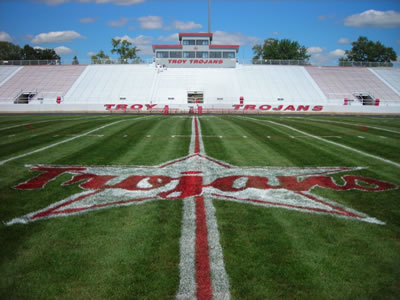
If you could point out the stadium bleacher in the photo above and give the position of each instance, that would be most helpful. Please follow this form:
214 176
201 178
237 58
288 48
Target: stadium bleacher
218 86
105 83
269 84
391 76
263 87
221 87
45 82
6 72
343 82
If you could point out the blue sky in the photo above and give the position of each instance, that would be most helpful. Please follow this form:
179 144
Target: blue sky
83 27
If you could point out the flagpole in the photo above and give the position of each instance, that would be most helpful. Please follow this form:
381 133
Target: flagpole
209 16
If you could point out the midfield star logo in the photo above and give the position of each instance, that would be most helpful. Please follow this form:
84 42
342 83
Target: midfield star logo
197 179
199 175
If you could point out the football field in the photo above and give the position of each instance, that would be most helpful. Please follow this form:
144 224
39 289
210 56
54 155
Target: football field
206 207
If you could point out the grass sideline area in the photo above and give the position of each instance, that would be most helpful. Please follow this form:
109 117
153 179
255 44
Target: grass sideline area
133 252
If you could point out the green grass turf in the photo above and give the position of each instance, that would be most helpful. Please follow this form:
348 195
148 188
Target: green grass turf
133 252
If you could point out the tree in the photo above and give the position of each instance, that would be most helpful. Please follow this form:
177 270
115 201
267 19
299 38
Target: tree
9 51
122 47
365 50
280 49
100 57
48 54
29 53
75 61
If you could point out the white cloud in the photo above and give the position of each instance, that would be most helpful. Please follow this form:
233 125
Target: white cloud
225 38
171 38
5 37
150 22
56 37
374 18
315 50
142 42
87 20
180 25
118 23
91 53
320 56
117 2
344 41
139 40
39 48
337 53
62 50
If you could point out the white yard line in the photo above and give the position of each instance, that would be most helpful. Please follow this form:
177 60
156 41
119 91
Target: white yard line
346 123
187 282
62 142
333 143
220 281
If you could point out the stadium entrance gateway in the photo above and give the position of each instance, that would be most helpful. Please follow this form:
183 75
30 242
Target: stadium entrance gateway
195 97
195 50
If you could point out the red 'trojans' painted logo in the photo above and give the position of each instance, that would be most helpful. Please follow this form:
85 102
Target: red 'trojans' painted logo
199 175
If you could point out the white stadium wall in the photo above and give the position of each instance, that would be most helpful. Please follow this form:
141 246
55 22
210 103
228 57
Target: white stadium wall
145 88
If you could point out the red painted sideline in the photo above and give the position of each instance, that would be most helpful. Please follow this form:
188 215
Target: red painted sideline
197 141
203 280
202 258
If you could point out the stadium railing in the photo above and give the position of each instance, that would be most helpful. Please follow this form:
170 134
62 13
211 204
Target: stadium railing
367 64
29 62
282 62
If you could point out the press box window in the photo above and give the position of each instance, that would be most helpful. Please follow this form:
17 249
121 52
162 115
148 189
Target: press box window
229 54
162 54
189 42
202 42
201 54
189 54
175 54
214 54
